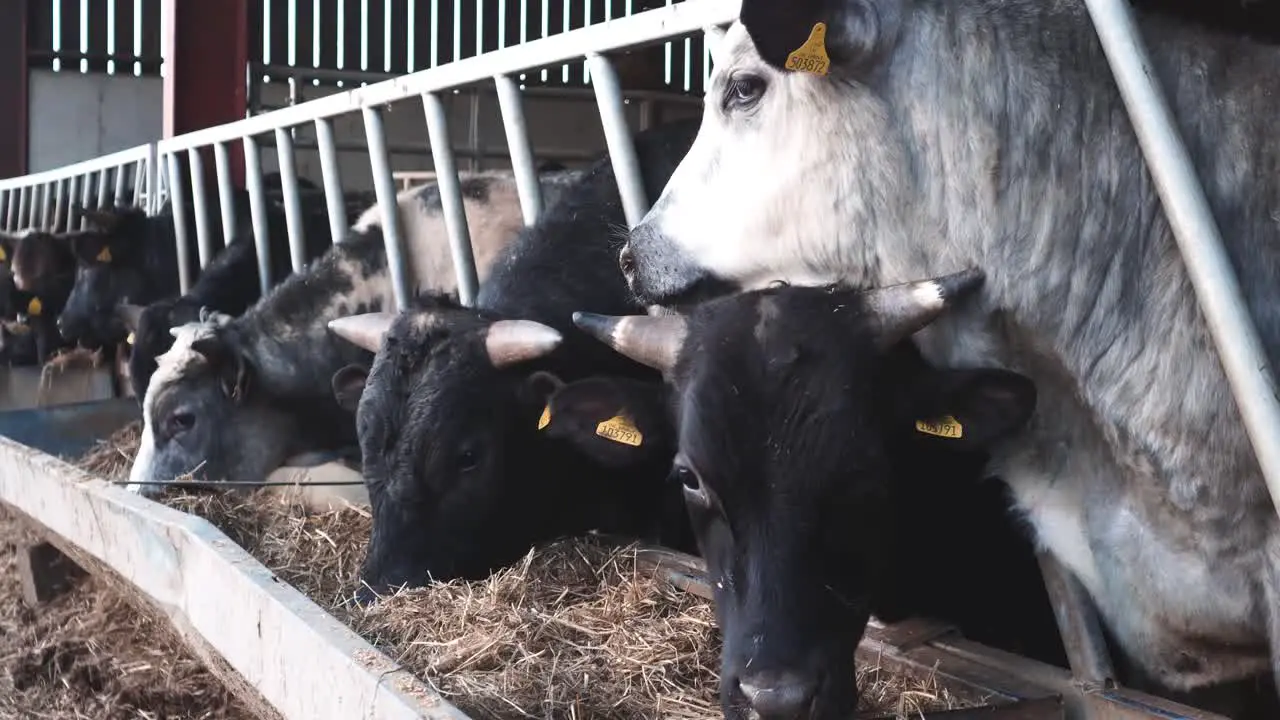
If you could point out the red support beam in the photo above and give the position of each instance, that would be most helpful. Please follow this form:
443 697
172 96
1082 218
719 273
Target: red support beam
206 52
13 88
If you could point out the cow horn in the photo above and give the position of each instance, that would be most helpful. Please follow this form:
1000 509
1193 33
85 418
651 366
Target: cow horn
364 331
652 340
907 307
515 341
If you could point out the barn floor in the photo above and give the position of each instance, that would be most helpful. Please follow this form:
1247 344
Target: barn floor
91 654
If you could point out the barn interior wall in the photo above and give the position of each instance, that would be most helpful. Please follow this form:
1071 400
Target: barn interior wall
75 117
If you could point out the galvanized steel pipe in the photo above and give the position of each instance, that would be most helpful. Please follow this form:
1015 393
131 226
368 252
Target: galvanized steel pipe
455 217
331 177
200 203
292 200
385 189
86 197
226 191
1209 268
511 103
617 136
258 210
178 207
121 174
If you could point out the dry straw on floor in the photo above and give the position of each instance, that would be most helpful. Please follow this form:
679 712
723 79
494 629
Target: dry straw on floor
575 630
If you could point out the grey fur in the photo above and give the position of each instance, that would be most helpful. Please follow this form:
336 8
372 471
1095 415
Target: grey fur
992 135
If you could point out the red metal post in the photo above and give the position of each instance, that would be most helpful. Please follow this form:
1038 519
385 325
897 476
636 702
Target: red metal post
14 104
206 53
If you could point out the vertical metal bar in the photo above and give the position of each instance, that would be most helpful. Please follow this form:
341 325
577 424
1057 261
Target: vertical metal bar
332 179
292 201
67 214
139 183
511 102
104 178
59 205
1209 268
46 207
24 210
1078 623
122 173
86 197
4 209
226 191
455 216
153 179
385 189
200 206
617 137
258 210
473 131
179 210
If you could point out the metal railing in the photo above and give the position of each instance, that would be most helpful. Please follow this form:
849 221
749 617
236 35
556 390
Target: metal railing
46 200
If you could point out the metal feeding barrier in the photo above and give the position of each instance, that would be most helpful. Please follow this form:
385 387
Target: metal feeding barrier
153 171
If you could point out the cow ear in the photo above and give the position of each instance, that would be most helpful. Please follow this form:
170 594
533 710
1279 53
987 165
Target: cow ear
104 220
847 34
616 422
971 408
348 385
228 363
90 247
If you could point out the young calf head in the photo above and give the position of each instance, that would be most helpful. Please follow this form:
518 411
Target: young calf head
797 423
111 269
473 452
150 337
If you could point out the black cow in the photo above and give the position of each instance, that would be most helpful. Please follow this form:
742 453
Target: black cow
8 243
830 475
460 479
44 271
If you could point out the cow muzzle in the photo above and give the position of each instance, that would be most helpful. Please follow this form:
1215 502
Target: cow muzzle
779 695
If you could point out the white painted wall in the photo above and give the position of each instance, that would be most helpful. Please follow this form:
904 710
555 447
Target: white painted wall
75 117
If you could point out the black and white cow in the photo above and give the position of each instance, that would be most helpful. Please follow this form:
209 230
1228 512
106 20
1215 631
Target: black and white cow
984 133
232 398
478 425
818 498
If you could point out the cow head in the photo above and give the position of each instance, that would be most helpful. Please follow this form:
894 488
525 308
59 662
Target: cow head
200 418
42 263
7 245
792 170
150 337
110 270
473 452
796 425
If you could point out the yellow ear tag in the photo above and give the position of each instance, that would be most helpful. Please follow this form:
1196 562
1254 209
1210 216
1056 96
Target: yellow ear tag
104 256
620 430
129 339
811 57
3 255
945 426
545 420
35 307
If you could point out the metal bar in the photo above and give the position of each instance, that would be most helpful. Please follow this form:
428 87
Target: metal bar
331 176
178 207
59 205
1209 268
617 136
5 204
642 28
226 191
67 214
1077 623
153 179
200 206
291 198
522 163
24 209
258 210
385 189
121 175
139 181
104 179
86 196
46 206
455 216
98 163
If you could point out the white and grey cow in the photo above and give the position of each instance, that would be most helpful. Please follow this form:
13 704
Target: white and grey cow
234 397
989 133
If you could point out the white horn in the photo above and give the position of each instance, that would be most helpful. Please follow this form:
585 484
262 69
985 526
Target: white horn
515 341
365 331
652 340
901 310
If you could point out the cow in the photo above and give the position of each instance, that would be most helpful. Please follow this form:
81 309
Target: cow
44 271
830 475
8 242
233 397
229 284
975 133
464 475
17 343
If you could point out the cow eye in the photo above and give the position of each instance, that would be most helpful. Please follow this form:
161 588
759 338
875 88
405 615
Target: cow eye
468 459
690 483
180 422
744 91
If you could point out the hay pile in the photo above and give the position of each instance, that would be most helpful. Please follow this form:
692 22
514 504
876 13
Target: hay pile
92 654
575 630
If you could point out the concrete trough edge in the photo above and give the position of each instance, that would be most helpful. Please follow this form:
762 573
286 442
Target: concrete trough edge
302 661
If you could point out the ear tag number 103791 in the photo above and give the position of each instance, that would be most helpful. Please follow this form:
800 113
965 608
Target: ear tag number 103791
811 57
945 426
620 430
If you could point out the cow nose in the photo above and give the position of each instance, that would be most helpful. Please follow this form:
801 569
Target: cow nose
627 261
778 696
